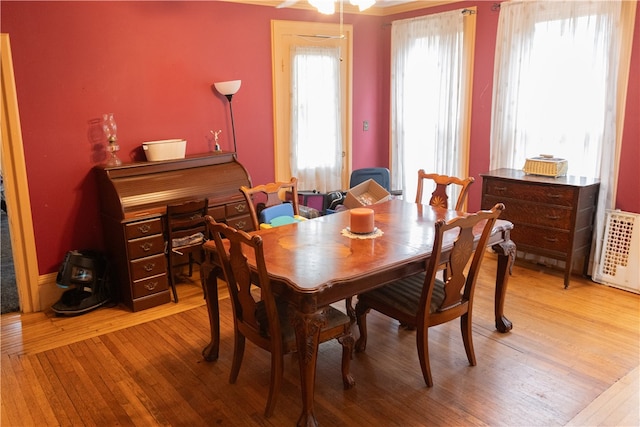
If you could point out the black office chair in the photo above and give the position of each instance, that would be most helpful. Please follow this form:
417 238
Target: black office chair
379 175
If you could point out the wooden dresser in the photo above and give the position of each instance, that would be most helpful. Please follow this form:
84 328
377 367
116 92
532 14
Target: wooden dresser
133 199
552 217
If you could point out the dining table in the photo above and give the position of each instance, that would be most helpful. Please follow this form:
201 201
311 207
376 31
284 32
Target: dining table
318 262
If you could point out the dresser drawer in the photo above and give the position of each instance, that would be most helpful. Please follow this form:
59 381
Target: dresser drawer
138 229
149 266
537 239
525 212
551 195
238 207
146 246
150 285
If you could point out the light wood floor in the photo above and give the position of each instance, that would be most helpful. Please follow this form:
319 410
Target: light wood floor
571 359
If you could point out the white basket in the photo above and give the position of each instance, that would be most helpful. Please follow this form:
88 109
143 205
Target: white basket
167 149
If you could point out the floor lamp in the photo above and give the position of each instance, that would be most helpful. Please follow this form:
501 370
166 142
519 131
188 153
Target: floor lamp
229 89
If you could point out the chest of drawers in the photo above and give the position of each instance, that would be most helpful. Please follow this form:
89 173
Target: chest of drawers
133 200
552 217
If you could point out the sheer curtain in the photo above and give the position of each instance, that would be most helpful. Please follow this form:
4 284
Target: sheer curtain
316 126
428 90
556 89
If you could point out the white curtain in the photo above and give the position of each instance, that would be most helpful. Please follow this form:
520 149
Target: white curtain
316 126
556 86
427 99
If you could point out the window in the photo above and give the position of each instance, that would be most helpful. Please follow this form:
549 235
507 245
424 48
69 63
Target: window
312 69
559 82
431 68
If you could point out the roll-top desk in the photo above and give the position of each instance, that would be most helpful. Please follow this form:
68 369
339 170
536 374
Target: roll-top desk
133 199
552 217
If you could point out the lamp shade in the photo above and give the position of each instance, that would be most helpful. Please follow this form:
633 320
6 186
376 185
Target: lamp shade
228 88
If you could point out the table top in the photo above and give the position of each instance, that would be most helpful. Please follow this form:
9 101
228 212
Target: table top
314 259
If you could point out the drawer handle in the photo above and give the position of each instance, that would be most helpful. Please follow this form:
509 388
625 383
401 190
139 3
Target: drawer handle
554 195
146 247
241 224
241 207
144 228
150 285
150 266
550 239
501 188
554 217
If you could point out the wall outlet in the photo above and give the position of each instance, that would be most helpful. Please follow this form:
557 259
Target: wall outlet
365 125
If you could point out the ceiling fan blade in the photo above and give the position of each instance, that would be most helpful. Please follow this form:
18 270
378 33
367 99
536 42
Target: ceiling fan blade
286 3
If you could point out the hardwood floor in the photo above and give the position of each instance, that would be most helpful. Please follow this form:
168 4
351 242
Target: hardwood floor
571 359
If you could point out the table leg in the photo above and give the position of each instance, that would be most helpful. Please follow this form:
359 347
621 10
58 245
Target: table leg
307 327
506 256
210 281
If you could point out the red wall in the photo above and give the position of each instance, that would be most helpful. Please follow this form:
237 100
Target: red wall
152 65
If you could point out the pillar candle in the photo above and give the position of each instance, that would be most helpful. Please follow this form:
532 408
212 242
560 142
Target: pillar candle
361 220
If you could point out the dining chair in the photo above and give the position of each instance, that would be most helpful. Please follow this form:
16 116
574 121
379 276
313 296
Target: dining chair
186 230
260 317
439 196
421 301
265 200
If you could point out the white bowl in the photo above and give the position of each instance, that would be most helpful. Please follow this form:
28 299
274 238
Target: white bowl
167 149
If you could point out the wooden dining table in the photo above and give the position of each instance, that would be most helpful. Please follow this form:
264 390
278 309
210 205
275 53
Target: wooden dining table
314 263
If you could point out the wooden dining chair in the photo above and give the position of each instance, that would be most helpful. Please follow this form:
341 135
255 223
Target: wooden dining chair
271 196
261 317
186 230
421 301
439 196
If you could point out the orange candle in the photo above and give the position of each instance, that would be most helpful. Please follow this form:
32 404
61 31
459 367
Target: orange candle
361 220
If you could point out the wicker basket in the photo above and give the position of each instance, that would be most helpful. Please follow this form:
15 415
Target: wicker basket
546 166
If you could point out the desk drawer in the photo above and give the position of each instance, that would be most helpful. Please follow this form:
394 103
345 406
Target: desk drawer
525 212
242 222
217 212
146 246
551 195
150 285
138 229
149 266
236 208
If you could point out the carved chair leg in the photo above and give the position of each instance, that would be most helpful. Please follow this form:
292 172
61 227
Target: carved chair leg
238 354
361 316
467 338
347 342
350 310
277 368
422 343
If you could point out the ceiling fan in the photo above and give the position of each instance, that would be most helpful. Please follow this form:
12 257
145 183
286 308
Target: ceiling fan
328 6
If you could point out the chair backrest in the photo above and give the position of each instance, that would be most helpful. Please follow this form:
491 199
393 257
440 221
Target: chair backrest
455 238
439 197
185 221
379 175
267 195
255 316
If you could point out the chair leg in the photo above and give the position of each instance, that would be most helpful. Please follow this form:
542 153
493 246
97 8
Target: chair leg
467 338
190 264
350 310
422 344
277 368
347 342
238 354
361 316
172 279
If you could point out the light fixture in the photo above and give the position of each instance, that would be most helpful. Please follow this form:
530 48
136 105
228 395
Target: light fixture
363 4
327 7
228 89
